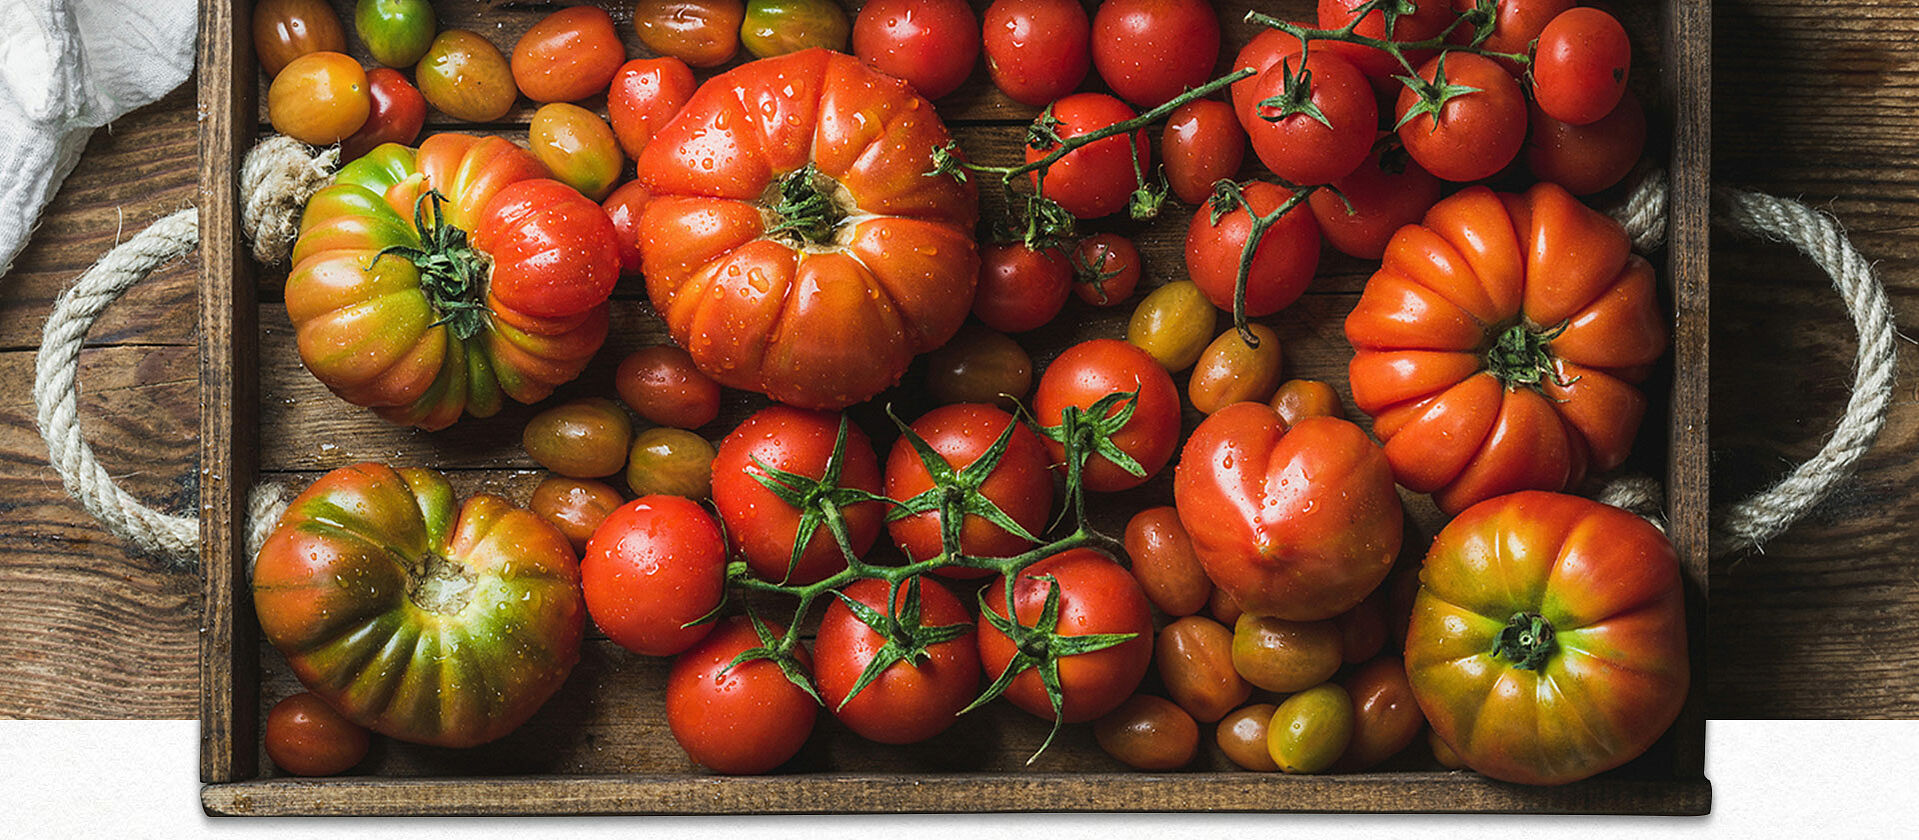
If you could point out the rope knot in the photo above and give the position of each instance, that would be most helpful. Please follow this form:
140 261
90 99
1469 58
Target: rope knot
279 175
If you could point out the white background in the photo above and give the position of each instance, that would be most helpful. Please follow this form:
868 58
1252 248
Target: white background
138 779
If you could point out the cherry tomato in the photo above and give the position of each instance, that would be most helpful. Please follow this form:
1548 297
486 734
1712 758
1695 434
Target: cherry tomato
1095 179
980 366
1020 485
585 438
1307 148
1587 158
1516 23
703 33
1283 264
1096 596
396 32
395 113
1092 370
1362 629
1285 656
284 30
1311 729
645 93
1386 718
778 27
1164 564
670 462
737 719
1387 192
918 695
1580 66
1223 607
1021 289
1203 143
1195 657
1298 399
1230 371
1105 269
661 384
931 44
1242 737
319 98
763 526
1173 325
1150 51
654 566
306 737
576 506
1428 19
1150 733
577 146
1264 50
1037 51
465 76
569 55
623 208
1478 132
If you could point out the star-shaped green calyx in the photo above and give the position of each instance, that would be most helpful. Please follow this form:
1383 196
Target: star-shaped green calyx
907 640
819 500
1039 647
956 493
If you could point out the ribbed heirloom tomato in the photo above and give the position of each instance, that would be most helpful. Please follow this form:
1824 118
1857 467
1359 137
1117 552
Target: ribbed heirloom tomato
794 243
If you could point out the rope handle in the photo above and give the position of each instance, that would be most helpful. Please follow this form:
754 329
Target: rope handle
280 174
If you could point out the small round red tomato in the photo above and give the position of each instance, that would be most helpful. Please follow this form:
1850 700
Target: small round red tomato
920 693
1387 192
623 208
306 737
778 27
980 366
576 506
1298 399
1021 288
1037 51
1427 20
1516 23
670 462
1096 597
1231 371
1149 733
1105 269
1587 158
737 719
585 438
1304 147
1477 132
1093 370
931 44
1149 51
661 384
1264 50
764 526
655 565
703 33
1242 737
645 93
577 146
1195 657
569 55
1020 486
396 113
466 77
1202 144
396 32
319 98
1386 718
1580 66
284 30
1095 179
1173 324
1282 266
1164 564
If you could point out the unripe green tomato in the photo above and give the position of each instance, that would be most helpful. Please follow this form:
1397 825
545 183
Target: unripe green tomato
578 147
396 32
778 27
1173 325
1311 729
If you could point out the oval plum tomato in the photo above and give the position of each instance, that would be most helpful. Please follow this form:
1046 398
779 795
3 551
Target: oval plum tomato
1580 66
702 33
1242 737
1095 179
1283 264
576 506
568 55
1285 656
306 737
1316 133
929 674
1387 192
1037 51
661 384
1232 371
1587 158
670 462
646 92
585 438
396 113
1362 629
1203 143
1477 131
1018 487
1513 367
655 565
980 366
1096 597
623 209
1310 730
1150 51
1386 718
465 76
1428 19
1173 324
779 27
763 524
1105 269
1020 288
932 44
284 30
1298 399
1164 563
737 719
1149 733
1296 523
1195 657
396 32
1516 23
319 98
1094 370
577 146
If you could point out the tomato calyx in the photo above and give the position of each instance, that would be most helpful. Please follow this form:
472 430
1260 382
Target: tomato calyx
1093 272
439 585
1528 641
1433 95
1522 356
907 640
778 651
1039 647
1089 431
956 494
452 272
1295 96
818 500
807 208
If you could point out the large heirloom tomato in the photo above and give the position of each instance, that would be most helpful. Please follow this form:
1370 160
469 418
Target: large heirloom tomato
429 283
1298 523
415 618
1499 343
1548 640
794 243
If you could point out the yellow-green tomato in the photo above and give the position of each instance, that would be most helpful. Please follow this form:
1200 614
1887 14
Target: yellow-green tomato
1311 729
778 27
466 77
1173 325
585 438
578 146
396 32
670 462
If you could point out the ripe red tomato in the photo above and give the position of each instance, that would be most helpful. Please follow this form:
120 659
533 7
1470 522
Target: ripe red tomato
569 55
1037 50
1263 51
1299 147
1516 23
306 737
661 384
1587 158
1105 269
655 564
1020 485
396 114
931 44
623 209
1580 66
1096 596
1149 51
645 93
921 692
1203 143
319 98
1387 192
1096 179
1283 264
737 719
1092 370
765 527
1428 19
1477 133
1019 288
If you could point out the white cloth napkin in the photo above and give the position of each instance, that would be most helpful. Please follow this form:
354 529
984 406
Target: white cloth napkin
66 68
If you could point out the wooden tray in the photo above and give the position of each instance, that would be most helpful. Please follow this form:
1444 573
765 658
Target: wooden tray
601 745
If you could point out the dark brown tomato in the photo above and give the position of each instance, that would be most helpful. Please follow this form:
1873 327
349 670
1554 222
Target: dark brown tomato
576 506
1362 629
1224 608
1285 656
284 30
702 33
1242 737
1149 733
670 462
1386 718
585 438
1164 563
1195 658
661 384
980 366
1230 371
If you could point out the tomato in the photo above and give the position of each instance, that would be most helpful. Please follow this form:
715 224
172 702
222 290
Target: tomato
1203 143
737 719
1285 656
577 146
931 44
1516 24
1362 629
395 113
1298 523
655 565
703 33
1548 642
1096 596
922 688
1442 753
1428 19
1092 370
670 462
1105 268
1095 179
284 30
1037 51
306 737
1264 50
1298 145
645 94
1283 264
568 55
1580 66
1587 158
1224 609
623 209
576 506
1150 51
1311 729
1477 132
1242 737
1510 367
1149 733
371 570
779 27
1019 486
1297 399
980 366
822 305
585 438
465 76
1195 656
1173 325
1230 371
1387 192
380 331
1020 288
1164 564
1385 717
661 384
319 98
765 527
396 32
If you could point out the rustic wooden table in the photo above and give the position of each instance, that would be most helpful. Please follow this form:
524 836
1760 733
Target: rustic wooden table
1817 101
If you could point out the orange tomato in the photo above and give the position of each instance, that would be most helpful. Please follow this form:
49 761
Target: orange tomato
319 98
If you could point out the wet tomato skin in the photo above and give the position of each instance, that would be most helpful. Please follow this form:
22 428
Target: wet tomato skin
306 737
661 384
585 438
576 506
703 33
1164 563
568 55
1037 51
1195 660
284 30
1241 735
1148 733
1203 143
739 720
